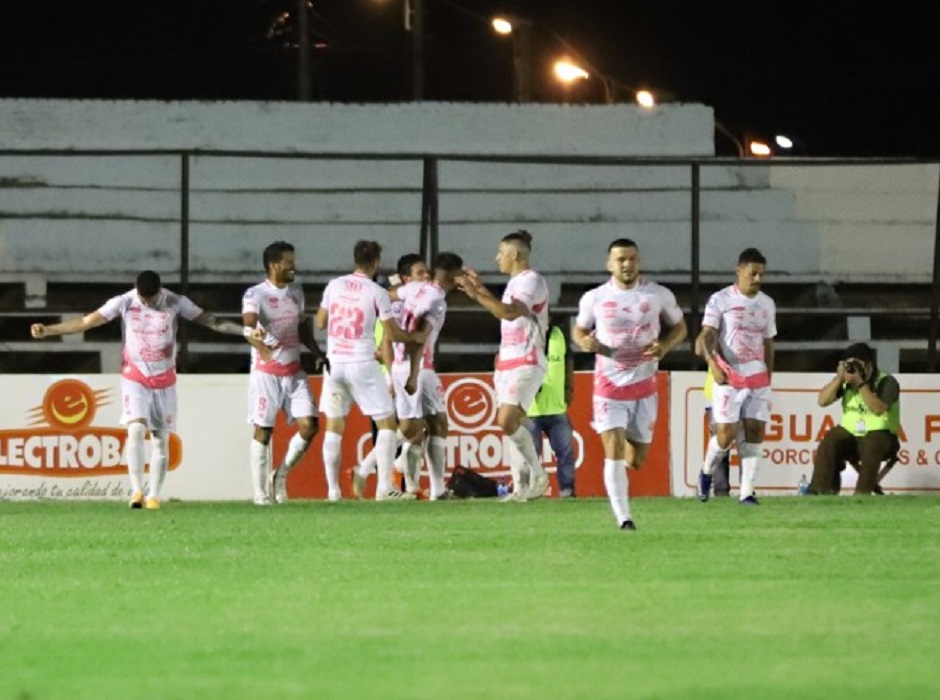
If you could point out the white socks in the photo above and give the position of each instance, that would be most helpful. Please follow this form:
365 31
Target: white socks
384 458
295 452
522 441
750 454
369 463
332 450
159 454
713 456
413 457
617 485
436 465
136 433
259 460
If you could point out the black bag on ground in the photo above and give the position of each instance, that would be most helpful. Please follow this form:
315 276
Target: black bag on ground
466 483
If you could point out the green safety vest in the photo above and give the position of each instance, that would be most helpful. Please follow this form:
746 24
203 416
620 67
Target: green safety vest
550 400
858 419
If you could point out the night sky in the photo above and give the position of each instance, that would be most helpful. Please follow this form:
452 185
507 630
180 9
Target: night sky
845 78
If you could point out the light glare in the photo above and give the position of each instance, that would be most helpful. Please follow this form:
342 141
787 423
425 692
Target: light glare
645 99
501 25
568 72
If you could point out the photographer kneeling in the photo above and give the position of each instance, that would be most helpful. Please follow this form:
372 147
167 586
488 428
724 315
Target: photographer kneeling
871 419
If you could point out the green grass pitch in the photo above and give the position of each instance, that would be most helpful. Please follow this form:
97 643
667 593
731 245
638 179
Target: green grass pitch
799 598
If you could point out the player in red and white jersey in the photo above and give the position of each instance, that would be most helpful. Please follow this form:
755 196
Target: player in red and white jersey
277 381
350 308
410 266
622 321
520 365
419 393
737 341
149 319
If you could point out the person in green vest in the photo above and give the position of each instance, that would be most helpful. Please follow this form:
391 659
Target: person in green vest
548 414
871 421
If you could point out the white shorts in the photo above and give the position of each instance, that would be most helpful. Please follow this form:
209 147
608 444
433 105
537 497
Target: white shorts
637 417
362 382
729 405
428 400
270 393
518 386
156 407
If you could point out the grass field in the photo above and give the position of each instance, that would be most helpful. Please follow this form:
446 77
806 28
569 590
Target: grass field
799 598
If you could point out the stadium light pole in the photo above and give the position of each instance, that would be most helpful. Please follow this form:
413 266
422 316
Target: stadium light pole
520 32
303 51
414 23
642 96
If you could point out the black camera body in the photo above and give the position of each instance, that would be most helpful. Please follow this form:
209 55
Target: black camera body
853 367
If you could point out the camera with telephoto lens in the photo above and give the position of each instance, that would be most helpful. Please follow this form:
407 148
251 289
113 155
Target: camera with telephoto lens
853 367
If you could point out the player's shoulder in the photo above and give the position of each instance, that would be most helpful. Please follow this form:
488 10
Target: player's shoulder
651 286
594 292
254 290
766 299
120 302
720 295
529 277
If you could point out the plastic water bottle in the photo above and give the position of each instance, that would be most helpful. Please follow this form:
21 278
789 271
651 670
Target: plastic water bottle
802 486
502 488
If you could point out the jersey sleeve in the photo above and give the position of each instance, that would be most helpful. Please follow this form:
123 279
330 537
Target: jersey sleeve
251 301
712 315
188 308
670 307
585 317
526 290
327 293
113 307
404 292
770 331
383 304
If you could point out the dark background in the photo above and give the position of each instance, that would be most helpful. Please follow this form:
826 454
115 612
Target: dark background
844 78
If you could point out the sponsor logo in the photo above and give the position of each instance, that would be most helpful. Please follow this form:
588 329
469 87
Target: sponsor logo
61 440
475 439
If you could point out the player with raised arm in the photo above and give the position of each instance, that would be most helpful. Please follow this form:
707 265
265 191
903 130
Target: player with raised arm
277 381
410 267
520 364
419 394
349 310
149 319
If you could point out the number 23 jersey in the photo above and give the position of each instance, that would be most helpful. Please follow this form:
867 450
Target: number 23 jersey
354 304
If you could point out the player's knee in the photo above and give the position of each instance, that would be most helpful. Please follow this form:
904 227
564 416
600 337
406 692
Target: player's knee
262 435
308 429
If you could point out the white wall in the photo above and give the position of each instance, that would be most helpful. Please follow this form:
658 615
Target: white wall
425 127
80 218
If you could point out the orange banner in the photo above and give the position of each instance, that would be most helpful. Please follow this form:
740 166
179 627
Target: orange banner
62 441
475 441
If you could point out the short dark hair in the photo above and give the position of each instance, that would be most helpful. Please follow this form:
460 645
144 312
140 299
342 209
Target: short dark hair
622 243
366 252
448 262
274 252
406 262
521 236
751 255
148 283
860 351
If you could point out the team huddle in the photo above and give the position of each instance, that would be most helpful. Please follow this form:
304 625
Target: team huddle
380 354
